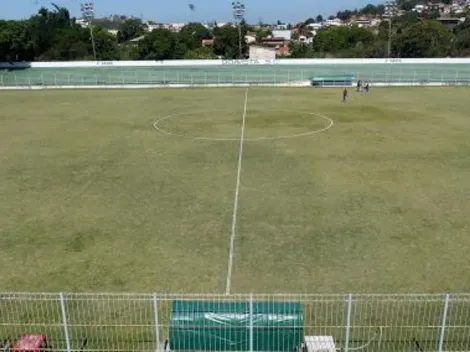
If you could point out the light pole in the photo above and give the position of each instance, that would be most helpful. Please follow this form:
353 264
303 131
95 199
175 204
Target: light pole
88 14
390 12
239 15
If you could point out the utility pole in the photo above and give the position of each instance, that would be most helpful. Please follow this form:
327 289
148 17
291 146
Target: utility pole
88 14
239 14
390 12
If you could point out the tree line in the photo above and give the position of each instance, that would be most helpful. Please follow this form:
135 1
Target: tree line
411 37
53 35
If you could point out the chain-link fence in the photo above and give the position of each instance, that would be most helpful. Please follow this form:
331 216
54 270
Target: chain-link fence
240 75
251 322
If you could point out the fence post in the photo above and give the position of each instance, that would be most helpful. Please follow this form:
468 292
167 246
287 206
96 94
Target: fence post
443 323
348 323
157 329
64 321
251 322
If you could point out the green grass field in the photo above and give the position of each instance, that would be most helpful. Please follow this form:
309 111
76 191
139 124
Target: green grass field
94 198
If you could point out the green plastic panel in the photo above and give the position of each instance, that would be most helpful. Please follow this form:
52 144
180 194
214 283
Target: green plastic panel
225 326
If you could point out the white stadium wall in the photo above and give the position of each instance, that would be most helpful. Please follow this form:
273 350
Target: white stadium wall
180 63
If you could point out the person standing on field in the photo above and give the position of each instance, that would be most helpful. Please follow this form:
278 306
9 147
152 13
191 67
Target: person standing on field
345 95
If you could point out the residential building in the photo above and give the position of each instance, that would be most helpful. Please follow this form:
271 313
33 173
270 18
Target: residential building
315 26
334 22
284 34
261 53
208 42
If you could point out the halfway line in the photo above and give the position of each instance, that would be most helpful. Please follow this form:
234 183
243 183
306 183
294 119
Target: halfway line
235 202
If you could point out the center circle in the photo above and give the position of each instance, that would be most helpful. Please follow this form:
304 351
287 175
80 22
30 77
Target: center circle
223 125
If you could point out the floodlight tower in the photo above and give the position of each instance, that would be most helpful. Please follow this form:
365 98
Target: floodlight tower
239 15
88 14
390 12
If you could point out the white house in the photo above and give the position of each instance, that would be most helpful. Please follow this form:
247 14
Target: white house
286 35
315 26
334 22
249 39
304 39
261 53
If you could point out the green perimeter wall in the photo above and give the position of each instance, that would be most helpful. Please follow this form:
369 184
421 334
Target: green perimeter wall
191 73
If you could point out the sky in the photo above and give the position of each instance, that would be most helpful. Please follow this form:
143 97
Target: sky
178 10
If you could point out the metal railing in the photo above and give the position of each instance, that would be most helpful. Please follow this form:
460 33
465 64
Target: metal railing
142 322
199 77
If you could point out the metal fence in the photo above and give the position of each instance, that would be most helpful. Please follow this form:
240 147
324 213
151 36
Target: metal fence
141 322
215 76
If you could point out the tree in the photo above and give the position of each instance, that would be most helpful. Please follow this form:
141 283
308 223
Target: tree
346 15
462 38
407 5
226 42
262 33
69 44
106 44
160 44
16 42
432 15
46 27
344 41
319 19
130 29
192 34
129 52
462 43
369 9
202 53
380 9
301 50
309 21
427 38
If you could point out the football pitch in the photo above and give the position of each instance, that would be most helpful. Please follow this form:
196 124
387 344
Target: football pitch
233 190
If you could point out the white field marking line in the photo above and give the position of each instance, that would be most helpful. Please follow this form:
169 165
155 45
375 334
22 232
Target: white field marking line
329 119
235 201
